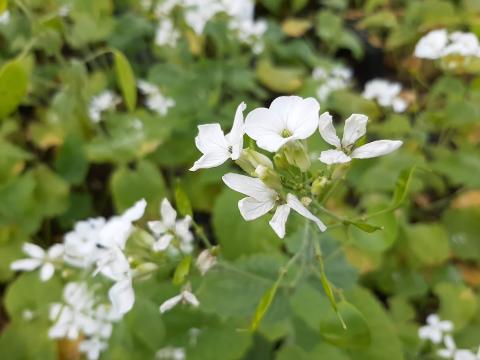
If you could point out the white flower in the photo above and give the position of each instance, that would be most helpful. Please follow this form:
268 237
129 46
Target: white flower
166 33
171 353
386 93
39 258
107 100
261 199
155 101
186 297
337 78
435 329
92 347
217 147
288 118
205 261
121 295
462 43
432 45
169 228
451 352
355 128
199 12
5 17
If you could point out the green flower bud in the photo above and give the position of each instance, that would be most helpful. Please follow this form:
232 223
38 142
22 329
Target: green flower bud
269 177
250 159
297 155
319 185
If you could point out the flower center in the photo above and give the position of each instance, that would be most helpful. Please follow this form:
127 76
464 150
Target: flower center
286 133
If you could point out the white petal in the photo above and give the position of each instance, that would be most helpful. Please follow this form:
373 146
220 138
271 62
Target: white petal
47 271
265 126
355 128
157 227
190 298
136 211
25 264
445 353
445 325
334 157
34 251
376 148
163 243
235 137
327 130
282 106
169 215
302 120
55 251
170 303
296 205
211 160
211 139
279 220
449 342
433 319
122 296
252 209
249 186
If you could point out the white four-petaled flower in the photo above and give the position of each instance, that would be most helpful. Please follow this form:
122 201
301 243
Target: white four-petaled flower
435 329
39 258
261 199
186 297
288 118
218 147
355 128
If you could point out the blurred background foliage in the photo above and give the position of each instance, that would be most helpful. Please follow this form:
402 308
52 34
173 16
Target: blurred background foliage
58 167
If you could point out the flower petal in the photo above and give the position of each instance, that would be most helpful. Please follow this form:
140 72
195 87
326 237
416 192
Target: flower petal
302 119
211 139
122 296
376 148
327 130
265 126
25 264
157 227
334 157
279 220
34 251
190 298
170 303
55 251
283 105
47 271
163 243
355 128
135 212
235 136
296 205
211 160
249 186
252 209
169 215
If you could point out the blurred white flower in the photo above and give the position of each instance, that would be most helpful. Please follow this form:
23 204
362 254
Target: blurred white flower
217 147
435 329
438 43
5 17
205 261
92 347
171 353
462 43
431 45
39 258
355 128
166 33
337 78
155 100
450 351
288 118
386 93
106 100
261 199
185 297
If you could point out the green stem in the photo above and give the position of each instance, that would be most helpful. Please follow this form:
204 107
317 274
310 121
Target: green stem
201 234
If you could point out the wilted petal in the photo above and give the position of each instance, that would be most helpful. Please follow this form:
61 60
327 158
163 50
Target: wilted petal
190 298
169 215
376 148
170 303
296 205
122 296
163 243
235 137
265 126
211 139
334 157
47 271
355 128
34 251
211 160
279 220
327 130
25 264
252 209
302 119
136 211
249 186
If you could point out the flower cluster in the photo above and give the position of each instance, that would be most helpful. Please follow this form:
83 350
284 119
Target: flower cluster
197 13
282 129
155 100
439 43
386 93
104 101
337 78
439 333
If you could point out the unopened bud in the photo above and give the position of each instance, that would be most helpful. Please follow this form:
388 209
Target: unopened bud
205 261
280 161
306 201
250 159
269 177
296 154
318 185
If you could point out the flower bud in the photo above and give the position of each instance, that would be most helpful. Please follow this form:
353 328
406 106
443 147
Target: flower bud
280 161
250 159
296 154
318 185
306 201
269 177
205 261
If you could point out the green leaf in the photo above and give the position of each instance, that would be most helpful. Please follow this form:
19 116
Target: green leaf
458 303
51 192
463 227
126 79
402 187
3 5
182 201
263 306
378 241
279 79
429 243
182 270
355 335
13 86
71 161
368 228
